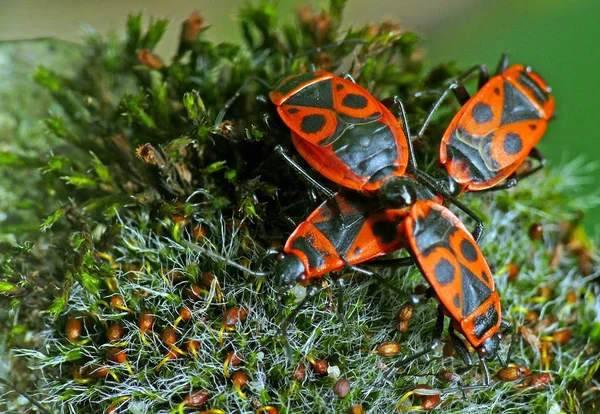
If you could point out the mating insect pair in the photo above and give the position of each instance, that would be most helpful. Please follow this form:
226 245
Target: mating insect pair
355 141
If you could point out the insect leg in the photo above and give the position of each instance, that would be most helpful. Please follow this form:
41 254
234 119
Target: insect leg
395 100
435 107
339 281
383 281
311 290
436 340
283 153
503 64
321 49
393 262
217 257
223 111
536 155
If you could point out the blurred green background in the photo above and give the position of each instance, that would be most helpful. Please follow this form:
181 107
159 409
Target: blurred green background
557 38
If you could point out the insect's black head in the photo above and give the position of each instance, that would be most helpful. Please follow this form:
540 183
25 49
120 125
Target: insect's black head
398 192
289 270
489 348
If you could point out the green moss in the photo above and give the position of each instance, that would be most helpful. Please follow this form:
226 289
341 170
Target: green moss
140 162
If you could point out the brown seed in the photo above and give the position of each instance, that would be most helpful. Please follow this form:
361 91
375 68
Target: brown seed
117 302
320 366
226 127
150 60
145 321
512 271
192 345
116 355
192 27
545 323
448 349
586 264
356 409
207 279
512 373
99 371
234 358
320 25
448 376
536 231
196 399
406 312
300 372
267 409
79 372
73 329
531 316
571 298
429 402
233 315
169 336
194 292
545 292
530 337
240 378
402 326
185 314
562 335
199 232
114 333
342 388
388 349
537 381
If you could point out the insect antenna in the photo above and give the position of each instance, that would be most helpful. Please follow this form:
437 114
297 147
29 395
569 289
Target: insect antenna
217 257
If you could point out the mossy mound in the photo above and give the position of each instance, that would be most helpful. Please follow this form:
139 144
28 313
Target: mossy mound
114 313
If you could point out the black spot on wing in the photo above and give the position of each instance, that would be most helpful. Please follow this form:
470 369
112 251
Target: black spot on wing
485 277
293 111
497 90
355 101
474 291
385 231
517 107
315 258
468 251
313 123
444 272
512 143
483 323
339 87
456 301
482 113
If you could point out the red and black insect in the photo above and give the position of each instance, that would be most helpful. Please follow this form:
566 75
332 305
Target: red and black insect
449 258
350 137
346 230
341 130
442 247
496 129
